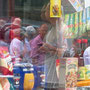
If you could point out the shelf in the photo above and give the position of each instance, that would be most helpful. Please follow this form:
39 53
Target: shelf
7 76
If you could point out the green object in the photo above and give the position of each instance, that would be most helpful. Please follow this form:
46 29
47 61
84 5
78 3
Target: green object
88 18
72 19
11 84
76 24
84 20
88 40
80 23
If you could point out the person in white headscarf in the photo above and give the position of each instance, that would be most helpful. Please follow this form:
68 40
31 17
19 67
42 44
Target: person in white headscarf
31 31
30 34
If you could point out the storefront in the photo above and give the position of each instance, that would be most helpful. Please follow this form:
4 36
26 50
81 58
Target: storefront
44 45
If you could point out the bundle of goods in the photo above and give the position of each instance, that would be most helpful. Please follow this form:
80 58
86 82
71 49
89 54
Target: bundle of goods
71 72
6 67
4 84
84 76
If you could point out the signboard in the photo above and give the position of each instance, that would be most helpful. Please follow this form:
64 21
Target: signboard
76 4
55 8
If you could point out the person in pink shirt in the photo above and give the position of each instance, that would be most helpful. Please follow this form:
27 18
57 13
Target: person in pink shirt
36 54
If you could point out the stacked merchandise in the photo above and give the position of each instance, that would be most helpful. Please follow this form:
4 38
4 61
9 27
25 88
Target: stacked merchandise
84 20
83 76
77 73
67 22
71 26
27 76
71 73
6 66
78 22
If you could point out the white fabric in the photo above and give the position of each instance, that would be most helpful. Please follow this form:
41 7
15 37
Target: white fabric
86 56
55 37
16 48
31 29
27 53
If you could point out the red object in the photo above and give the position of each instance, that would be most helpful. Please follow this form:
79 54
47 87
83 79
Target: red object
14 33
78 40
84 41
4 53
57 62
5 71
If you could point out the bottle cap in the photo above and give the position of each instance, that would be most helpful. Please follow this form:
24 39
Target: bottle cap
78 40
84 41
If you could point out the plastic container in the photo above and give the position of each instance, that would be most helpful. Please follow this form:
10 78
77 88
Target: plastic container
26 75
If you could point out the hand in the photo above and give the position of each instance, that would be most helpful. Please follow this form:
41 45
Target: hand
50 47
34 61
43 49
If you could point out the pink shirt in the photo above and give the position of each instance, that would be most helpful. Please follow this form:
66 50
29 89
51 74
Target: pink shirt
39 56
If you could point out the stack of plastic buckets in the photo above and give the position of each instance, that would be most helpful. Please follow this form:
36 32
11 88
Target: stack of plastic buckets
25 76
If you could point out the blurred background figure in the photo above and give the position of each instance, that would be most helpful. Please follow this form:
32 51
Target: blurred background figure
30 34
36 54
17 46
2 23
15 28
16 22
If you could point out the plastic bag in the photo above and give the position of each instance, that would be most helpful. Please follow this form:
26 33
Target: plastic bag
5 84
6 67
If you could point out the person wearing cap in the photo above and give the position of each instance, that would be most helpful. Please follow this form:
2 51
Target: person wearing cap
16 22
86 56
36 54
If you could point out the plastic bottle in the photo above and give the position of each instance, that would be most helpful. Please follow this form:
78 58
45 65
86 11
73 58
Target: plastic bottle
84 46
79 47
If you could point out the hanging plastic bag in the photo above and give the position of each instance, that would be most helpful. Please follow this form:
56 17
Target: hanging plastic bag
5 85
6 67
